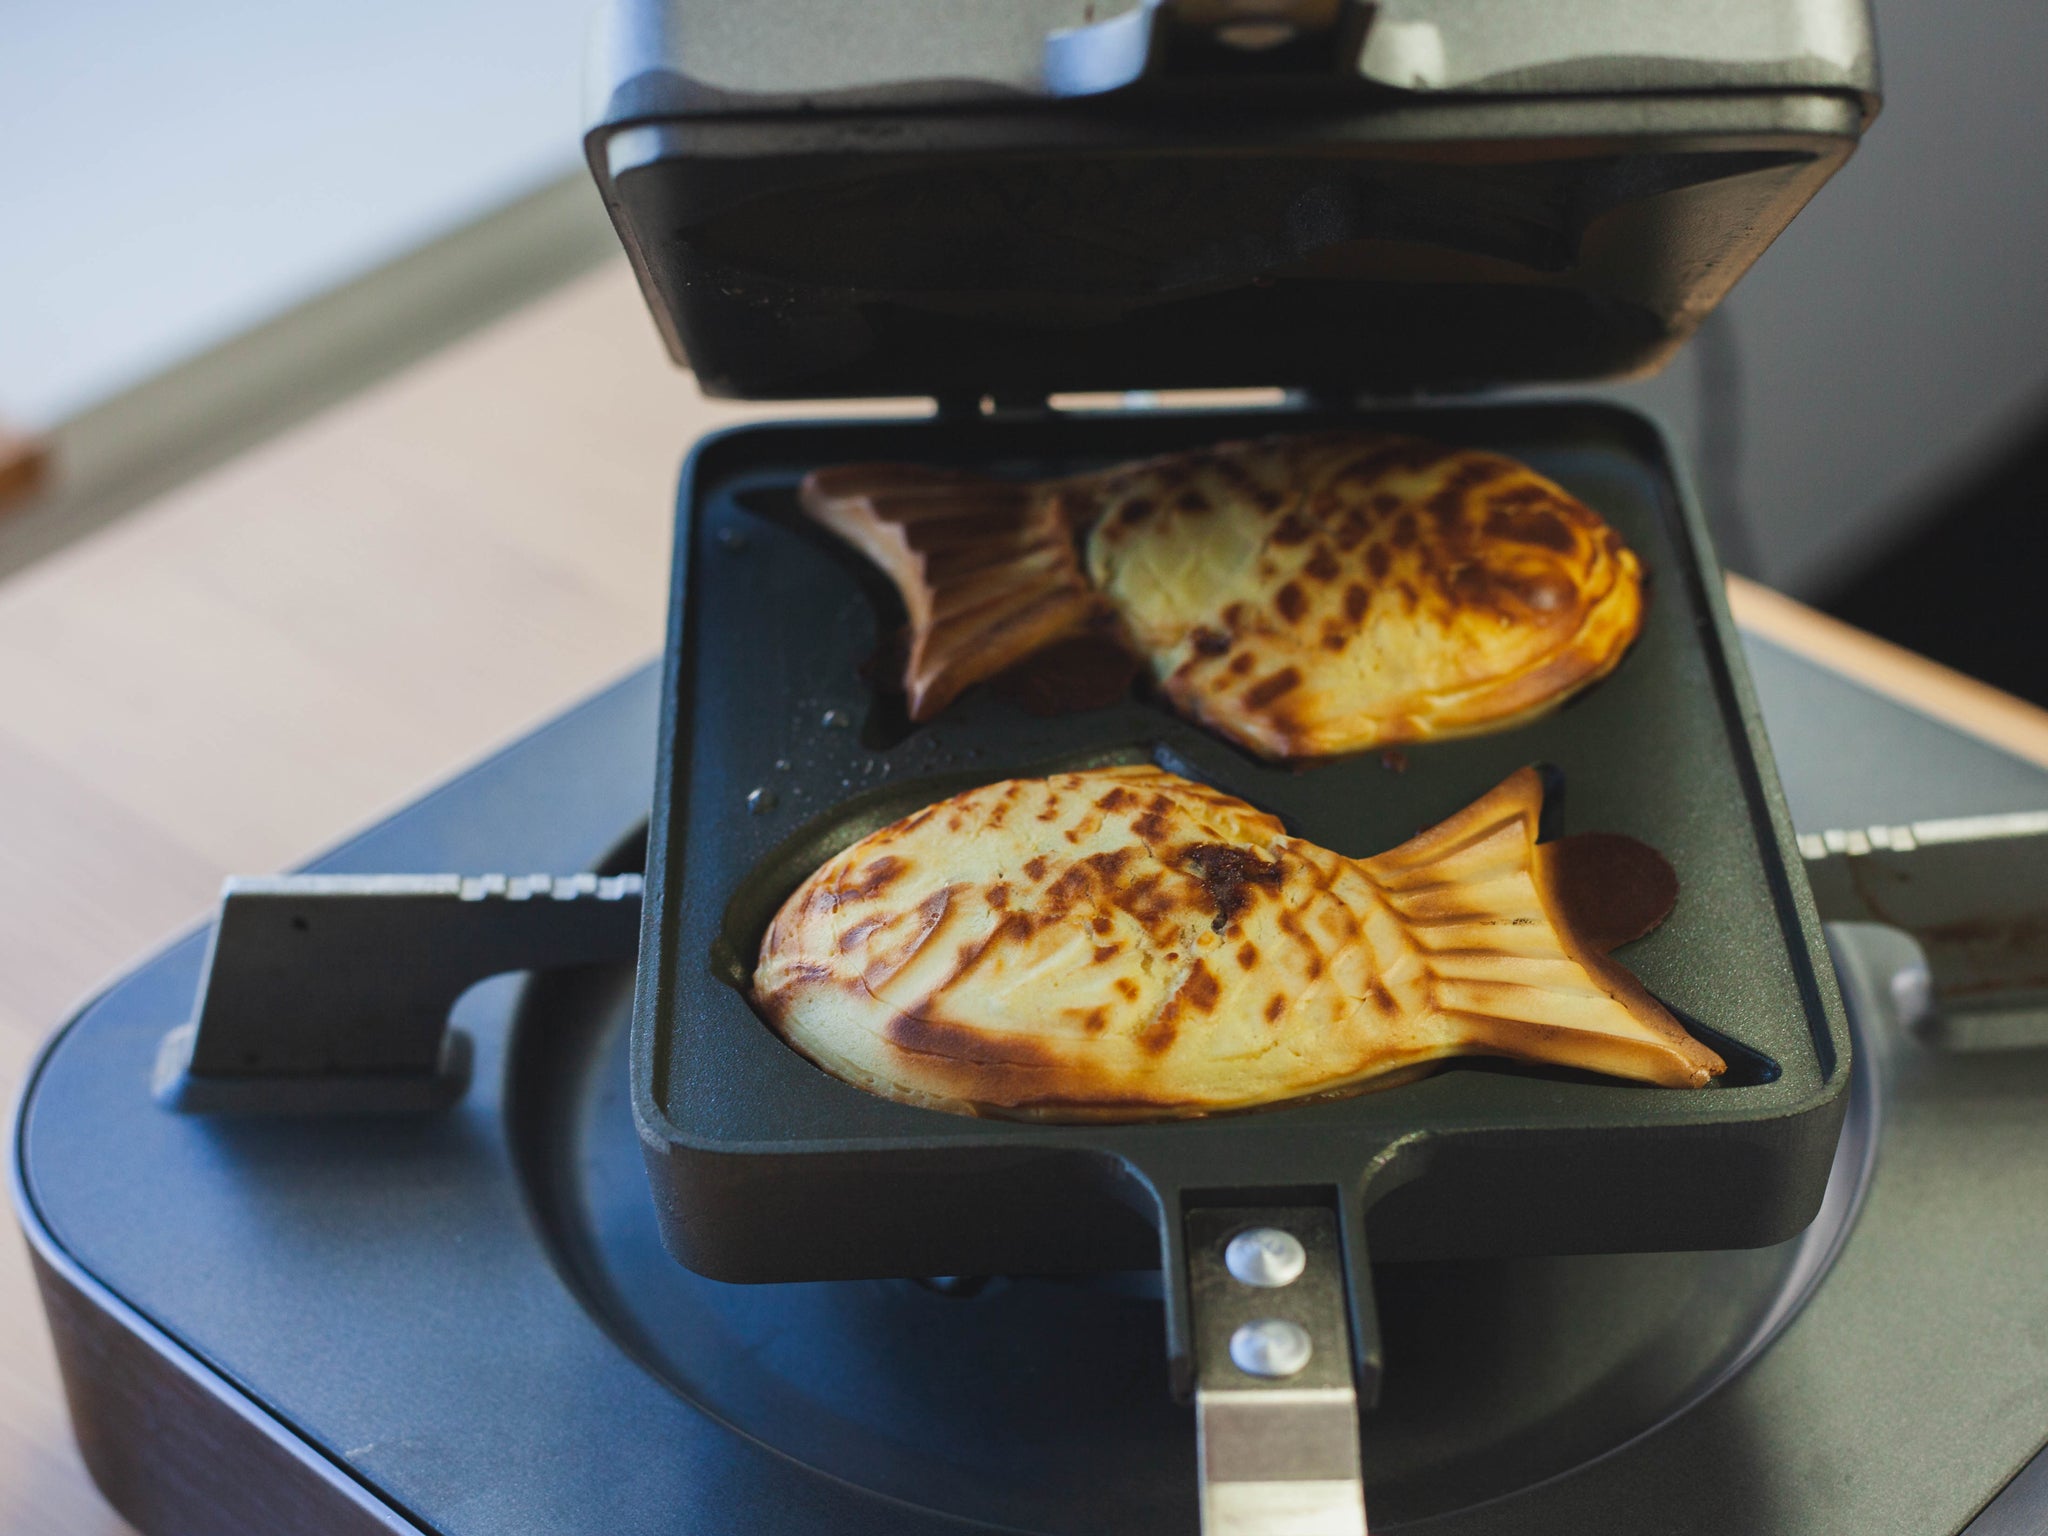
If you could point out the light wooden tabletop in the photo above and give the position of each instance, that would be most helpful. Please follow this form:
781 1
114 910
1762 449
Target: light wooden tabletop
276 654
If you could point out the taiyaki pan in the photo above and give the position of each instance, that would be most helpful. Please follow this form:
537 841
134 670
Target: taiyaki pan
1124 944
1303 596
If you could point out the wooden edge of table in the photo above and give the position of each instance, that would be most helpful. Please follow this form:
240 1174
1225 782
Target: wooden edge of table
1922 685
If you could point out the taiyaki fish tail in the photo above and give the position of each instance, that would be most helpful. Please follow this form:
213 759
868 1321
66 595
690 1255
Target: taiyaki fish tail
1510 970
988 569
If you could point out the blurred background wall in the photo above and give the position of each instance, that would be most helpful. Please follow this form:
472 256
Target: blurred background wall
217 215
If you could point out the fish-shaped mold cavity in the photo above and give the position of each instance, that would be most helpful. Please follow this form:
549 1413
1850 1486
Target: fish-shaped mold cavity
1124 944
1303 596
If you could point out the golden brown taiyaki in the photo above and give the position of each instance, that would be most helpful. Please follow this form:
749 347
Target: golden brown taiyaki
1124 944
1303 596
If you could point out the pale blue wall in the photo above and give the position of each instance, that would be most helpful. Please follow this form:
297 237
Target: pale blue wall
173 172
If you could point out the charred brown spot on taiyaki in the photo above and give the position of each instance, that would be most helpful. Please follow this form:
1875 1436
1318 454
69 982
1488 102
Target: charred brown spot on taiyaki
1229 875
1275 686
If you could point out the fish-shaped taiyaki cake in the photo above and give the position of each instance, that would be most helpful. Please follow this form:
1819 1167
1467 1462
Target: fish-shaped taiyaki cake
1303 596
1125 944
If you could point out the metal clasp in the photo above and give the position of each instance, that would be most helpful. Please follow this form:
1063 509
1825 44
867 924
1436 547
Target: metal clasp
1162 39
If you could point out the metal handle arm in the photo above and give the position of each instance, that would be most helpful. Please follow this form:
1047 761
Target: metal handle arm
1276 1404
330 993
1973 892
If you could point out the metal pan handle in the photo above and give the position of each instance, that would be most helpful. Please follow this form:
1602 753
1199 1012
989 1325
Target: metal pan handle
1276 1395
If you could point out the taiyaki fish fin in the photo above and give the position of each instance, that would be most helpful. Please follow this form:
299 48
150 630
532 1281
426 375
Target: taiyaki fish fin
1507 972
988 569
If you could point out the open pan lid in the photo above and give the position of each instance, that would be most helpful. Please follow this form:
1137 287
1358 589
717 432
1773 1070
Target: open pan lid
838 197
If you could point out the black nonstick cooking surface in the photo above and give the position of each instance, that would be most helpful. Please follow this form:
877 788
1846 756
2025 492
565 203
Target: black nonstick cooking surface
776 752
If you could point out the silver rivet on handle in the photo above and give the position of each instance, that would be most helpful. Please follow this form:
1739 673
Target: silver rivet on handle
1266 1257
1271 1347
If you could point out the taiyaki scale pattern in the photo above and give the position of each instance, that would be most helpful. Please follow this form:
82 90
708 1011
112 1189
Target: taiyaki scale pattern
1124 944
1305 596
